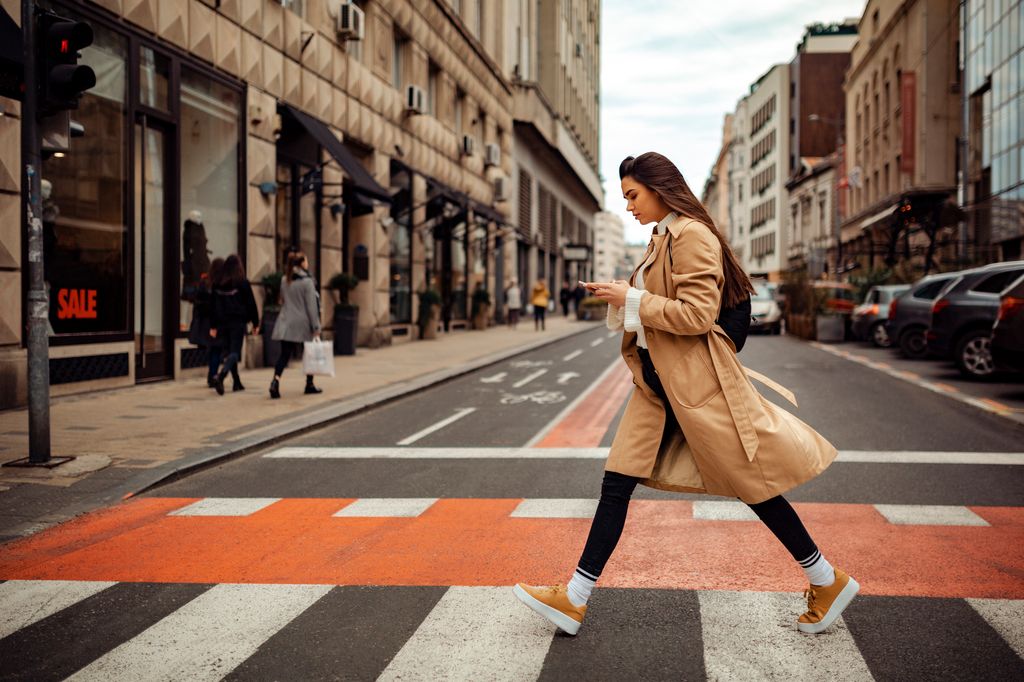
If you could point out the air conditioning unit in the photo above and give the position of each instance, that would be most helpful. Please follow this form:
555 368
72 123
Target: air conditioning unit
468 145
414 99
351 22
501 188
492 154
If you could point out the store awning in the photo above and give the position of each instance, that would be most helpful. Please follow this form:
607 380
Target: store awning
361 179
489 213
436 188
872 219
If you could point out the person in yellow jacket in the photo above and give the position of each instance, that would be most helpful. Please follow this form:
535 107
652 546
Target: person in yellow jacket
539 298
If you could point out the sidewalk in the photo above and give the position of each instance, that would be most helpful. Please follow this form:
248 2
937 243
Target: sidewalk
128 439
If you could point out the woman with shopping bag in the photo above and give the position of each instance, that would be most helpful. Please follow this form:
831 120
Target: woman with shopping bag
299 319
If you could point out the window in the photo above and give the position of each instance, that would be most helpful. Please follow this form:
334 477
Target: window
209 176
460 104
478 20
931 290
993 284
397 52
83 212
433 78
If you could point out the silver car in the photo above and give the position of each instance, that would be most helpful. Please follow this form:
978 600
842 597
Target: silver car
870 316
765 313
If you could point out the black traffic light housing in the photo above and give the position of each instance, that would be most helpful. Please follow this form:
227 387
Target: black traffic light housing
61 78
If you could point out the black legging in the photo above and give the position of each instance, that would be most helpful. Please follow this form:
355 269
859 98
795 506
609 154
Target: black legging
288 349
616 490
231 337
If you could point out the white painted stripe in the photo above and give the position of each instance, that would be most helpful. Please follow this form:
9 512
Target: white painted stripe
225 506
722 510
596 342
378 506
555 509
459 414
23 602
570 407
529 452
474 633
753 636
1006 616
570 356
529 377
436 453
929 515
208 637
924 457
612 335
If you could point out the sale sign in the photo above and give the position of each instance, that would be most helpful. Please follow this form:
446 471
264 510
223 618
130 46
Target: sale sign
76 304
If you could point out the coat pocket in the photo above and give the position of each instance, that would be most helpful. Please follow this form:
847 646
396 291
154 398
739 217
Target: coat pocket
693 382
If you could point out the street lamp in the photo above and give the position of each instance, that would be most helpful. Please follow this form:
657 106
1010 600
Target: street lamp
836 123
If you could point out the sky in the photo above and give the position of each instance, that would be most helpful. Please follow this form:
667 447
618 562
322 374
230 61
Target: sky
672 69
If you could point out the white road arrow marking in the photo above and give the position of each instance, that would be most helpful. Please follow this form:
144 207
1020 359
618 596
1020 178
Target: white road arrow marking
564 377
497 378
529 378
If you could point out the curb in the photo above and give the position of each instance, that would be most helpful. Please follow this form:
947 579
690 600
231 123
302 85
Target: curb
316 418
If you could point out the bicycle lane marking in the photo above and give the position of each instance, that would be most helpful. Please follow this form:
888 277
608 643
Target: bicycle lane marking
589 409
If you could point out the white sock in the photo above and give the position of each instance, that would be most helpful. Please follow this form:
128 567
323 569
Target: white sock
819 572
580 586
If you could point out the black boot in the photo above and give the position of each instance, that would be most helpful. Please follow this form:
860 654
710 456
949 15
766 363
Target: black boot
218 382
237 386
310 388
211 380
275 391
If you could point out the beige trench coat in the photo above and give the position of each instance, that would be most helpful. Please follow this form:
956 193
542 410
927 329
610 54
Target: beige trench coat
736 443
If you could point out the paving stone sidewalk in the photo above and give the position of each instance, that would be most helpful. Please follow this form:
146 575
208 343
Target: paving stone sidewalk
127 439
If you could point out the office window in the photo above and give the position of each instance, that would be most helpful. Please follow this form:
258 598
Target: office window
397 52
433 79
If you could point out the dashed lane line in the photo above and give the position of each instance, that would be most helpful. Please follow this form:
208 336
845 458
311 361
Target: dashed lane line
570 356
459 414
529 377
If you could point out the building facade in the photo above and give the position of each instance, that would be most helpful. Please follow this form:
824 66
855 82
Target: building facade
384 150
811 217
902 128
715 196
609 248
992 193
738 174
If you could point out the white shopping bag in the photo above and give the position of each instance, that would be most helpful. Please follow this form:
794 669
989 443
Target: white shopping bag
318 358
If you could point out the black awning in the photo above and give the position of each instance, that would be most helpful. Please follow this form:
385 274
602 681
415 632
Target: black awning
489 213
363 181
436 189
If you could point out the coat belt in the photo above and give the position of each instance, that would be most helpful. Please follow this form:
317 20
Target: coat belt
737 389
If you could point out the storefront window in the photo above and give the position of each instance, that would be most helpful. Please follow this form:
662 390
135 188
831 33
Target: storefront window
154 71
209 178
293 179
458 271
83 195
400 234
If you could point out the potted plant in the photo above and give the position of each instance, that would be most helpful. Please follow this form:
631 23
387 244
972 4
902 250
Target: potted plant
591 308
346 315
271 307
429 313
481 307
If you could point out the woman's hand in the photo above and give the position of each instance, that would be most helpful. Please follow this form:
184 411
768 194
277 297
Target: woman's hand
613 292
213 333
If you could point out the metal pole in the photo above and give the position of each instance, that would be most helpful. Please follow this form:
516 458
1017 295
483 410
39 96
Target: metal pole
38 304
965 146
835 199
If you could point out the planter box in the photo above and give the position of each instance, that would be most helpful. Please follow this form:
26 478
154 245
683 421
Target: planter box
346 325
830 328
430 330
482 318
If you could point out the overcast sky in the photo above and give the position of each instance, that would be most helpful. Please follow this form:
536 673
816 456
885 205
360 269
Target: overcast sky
671 70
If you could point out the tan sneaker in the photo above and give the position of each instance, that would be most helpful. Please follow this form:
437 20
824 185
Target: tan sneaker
552 603
825 604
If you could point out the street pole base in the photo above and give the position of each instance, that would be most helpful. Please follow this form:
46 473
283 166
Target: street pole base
48 464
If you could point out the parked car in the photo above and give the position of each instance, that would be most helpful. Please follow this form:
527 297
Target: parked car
911 313
1008 332
765 312
869 317
963 315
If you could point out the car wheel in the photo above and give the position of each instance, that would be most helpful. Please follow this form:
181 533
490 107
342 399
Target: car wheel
913 344
777 329
879 336
974 355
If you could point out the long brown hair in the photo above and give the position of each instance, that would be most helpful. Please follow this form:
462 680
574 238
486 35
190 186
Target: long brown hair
661 176
232 273
295 259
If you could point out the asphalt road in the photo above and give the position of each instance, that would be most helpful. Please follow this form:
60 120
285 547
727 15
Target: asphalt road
382 546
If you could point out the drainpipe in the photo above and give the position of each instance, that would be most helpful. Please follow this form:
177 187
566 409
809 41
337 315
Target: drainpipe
963 140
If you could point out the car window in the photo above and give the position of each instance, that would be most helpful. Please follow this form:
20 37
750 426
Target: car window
873 296
993 284
931 290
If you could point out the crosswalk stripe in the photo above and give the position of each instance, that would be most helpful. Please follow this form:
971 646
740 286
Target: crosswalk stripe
722 510
1006 616
226 506
850 456
378 507
474 633
929 515
555 509
23 602
207 637
753 635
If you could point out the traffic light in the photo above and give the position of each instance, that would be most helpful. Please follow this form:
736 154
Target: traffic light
61 78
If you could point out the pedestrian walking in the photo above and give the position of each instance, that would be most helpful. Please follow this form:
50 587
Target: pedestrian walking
202 314
564 297
234 308
514 302
299 319
539 299
578 294
694 422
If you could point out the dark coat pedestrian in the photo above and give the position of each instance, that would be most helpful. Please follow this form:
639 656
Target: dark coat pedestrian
234 308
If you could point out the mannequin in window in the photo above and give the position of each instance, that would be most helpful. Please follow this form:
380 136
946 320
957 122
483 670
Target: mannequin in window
195 257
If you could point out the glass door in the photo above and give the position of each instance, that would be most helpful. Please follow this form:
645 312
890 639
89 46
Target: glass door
153 338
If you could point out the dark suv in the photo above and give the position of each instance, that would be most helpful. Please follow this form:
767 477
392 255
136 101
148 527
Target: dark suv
911 313
963 315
